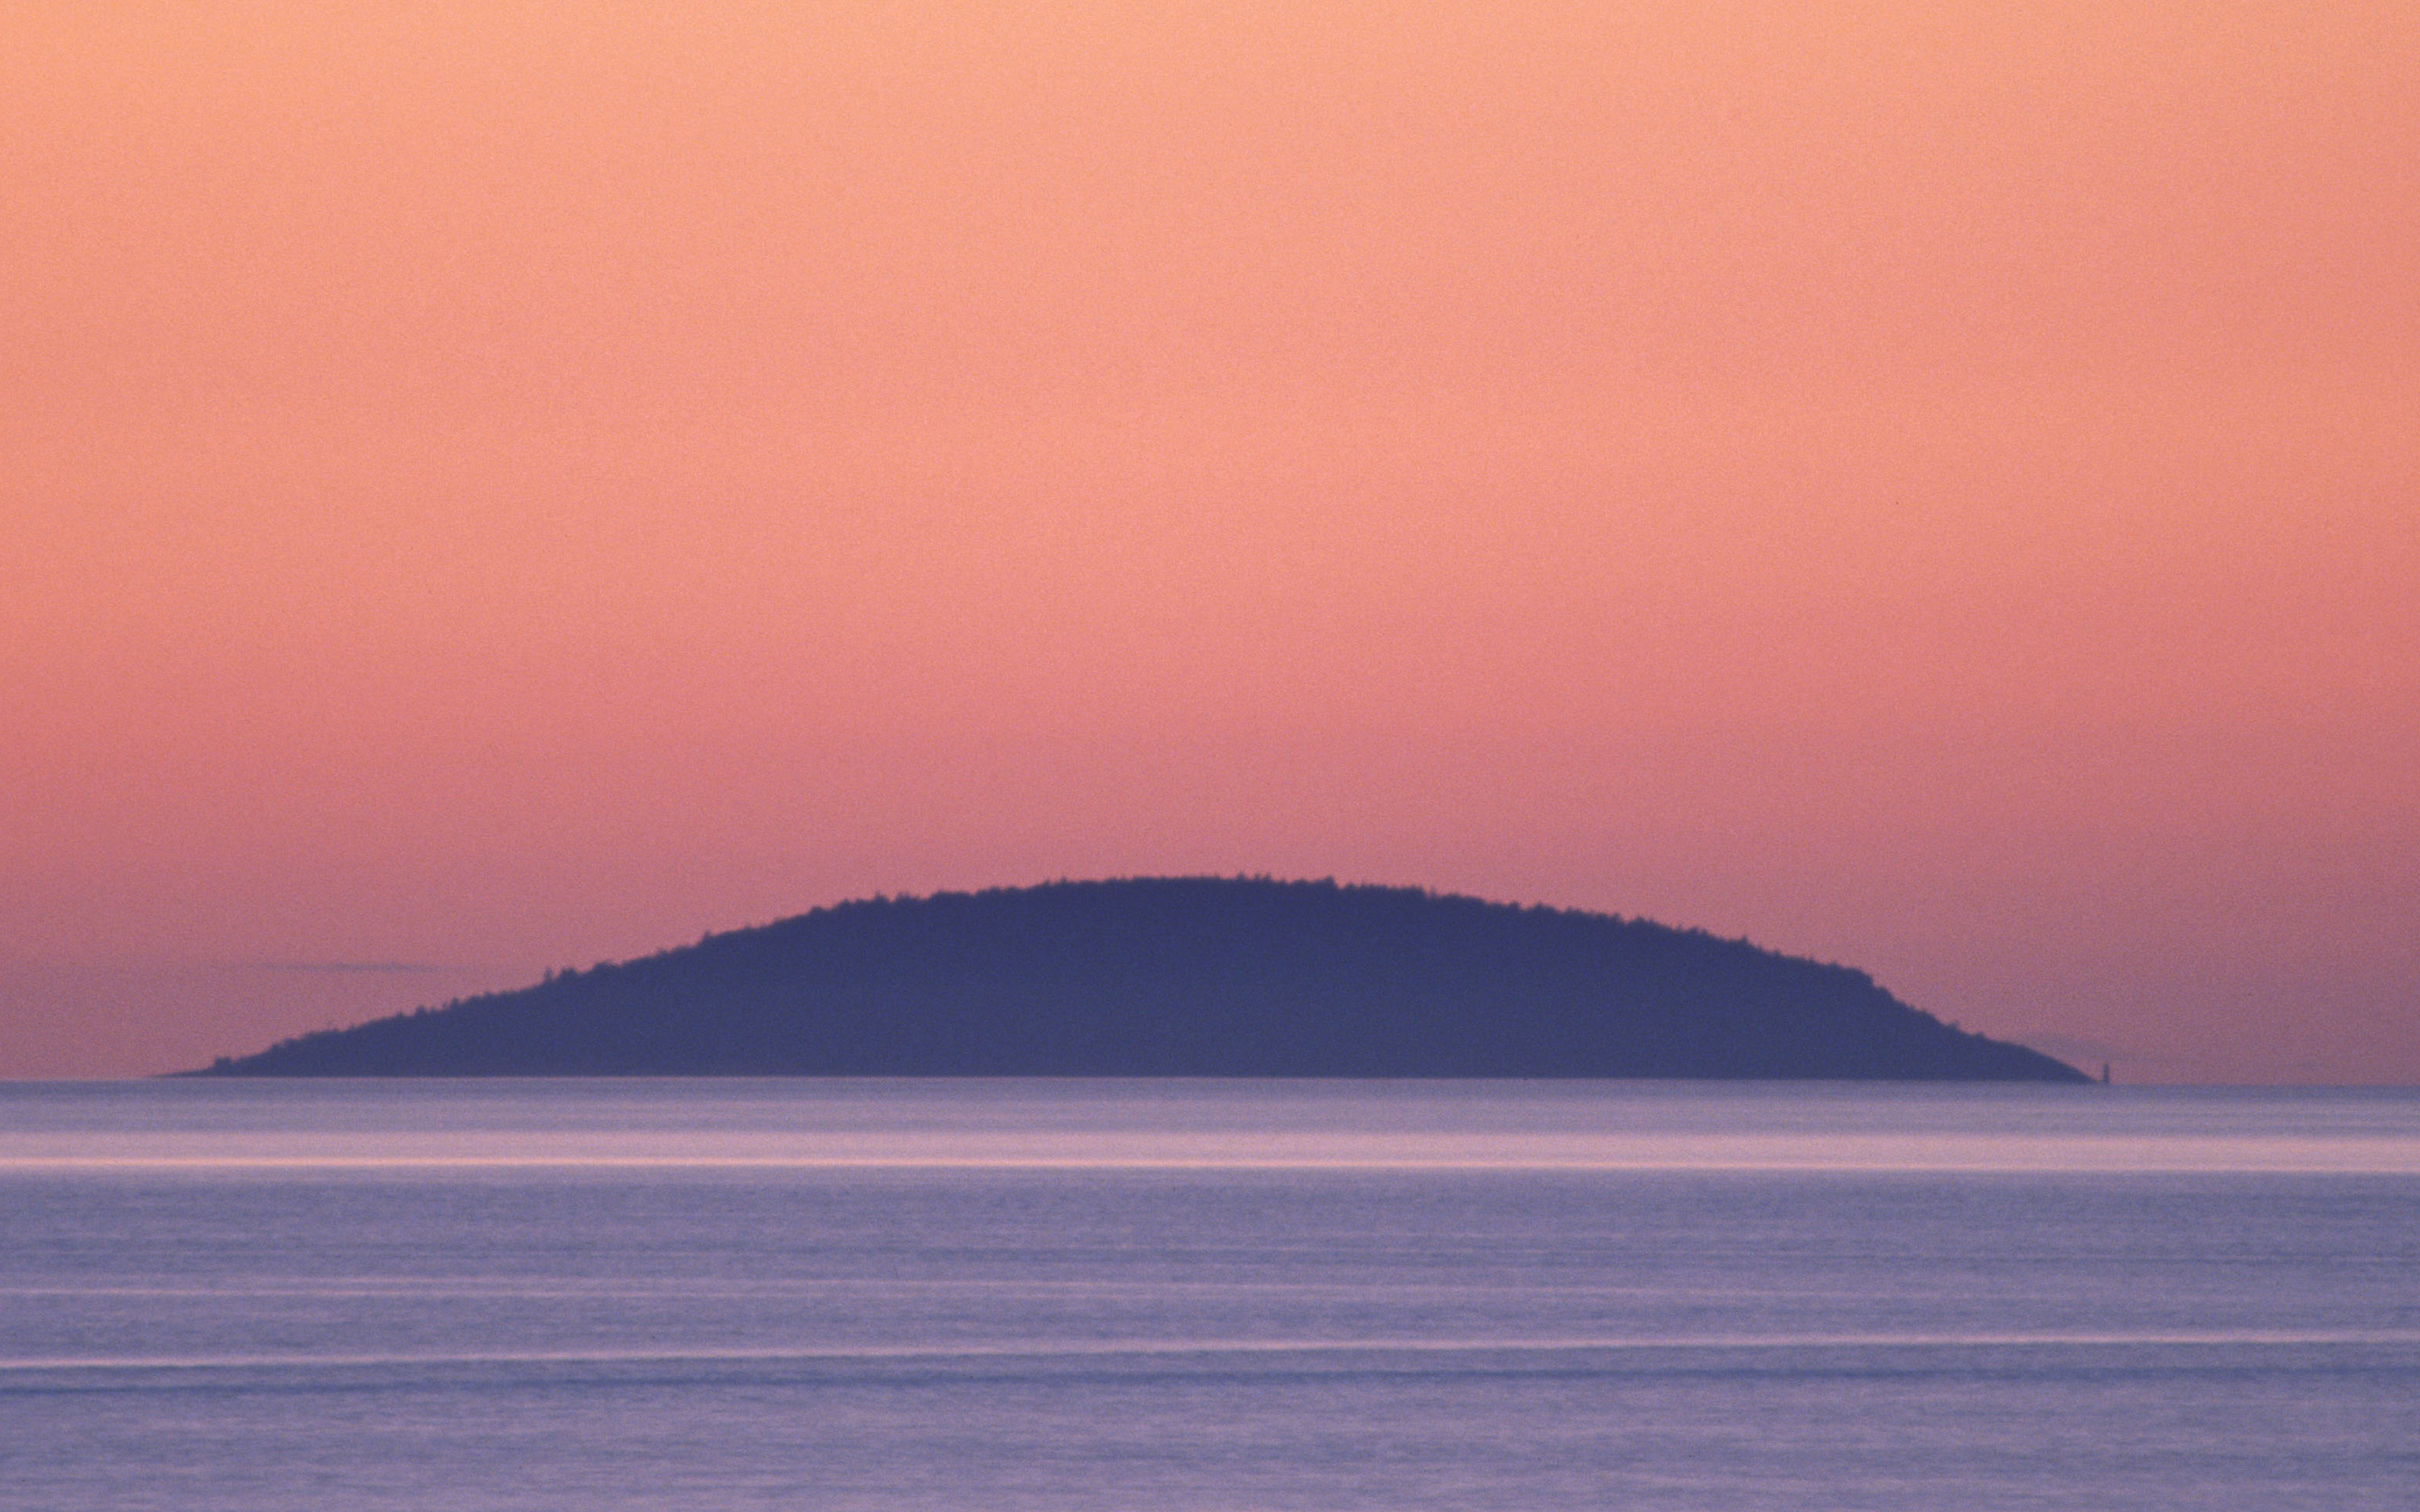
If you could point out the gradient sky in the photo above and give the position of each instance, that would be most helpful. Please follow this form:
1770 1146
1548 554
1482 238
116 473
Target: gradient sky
495 486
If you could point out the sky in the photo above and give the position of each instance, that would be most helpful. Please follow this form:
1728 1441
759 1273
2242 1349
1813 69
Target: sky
1929 485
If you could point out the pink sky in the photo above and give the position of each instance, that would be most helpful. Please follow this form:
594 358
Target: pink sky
1933 487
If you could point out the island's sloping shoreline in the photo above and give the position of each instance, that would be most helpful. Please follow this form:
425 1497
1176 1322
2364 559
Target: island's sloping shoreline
1182 977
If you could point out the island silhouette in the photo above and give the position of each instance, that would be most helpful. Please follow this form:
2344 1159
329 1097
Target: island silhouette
1182 977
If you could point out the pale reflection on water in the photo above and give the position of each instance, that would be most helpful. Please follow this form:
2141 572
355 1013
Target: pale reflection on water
1205 1296
809 1123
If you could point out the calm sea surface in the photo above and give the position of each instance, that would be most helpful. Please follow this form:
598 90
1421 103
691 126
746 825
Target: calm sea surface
1171 1296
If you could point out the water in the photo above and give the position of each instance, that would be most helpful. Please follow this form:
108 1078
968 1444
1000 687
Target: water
1177 1296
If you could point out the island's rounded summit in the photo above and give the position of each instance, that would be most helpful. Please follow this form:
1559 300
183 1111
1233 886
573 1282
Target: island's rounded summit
1182 977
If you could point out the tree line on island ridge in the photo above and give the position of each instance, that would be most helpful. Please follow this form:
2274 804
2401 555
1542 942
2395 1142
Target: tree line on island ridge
1182 977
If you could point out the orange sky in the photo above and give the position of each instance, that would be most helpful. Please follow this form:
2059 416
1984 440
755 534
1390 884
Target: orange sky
1929 486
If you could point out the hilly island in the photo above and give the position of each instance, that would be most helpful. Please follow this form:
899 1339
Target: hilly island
1182 977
